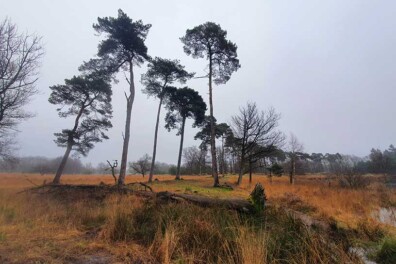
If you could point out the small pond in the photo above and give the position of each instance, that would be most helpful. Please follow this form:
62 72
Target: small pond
386 215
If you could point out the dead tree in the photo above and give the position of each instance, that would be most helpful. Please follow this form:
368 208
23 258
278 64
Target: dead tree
254 135
295 149
141 166
20 58
112 168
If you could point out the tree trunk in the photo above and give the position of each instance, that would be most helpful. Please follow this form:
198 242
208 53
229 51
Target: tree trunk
155 142
223 157
180 149
250 172
241 205
69 144
240 172
232 163
130 99
62 164
241 165
293 170
212 131
203 164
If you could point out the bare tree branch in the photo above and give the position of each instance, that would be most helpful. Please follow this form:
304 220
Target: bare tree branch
20 58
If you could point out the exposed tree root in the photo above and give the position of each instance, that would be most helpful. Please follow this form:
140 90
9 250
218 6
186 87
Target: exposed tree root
141 184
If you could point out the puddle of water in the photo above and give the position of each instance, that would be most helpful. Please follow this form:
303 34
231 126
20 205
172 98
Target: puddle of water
386 215
360 252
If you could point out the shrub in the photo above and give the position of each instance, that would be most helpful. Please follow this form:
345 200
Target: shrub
351 178
258 198
276 169
387 252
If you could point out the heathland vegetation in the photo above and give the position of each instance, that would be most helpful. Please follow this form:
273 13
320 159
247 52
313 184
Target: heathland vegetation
294 207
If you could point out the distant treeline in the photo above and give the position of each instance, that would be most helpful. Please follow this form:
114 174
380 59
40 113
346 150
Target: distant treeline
197 161
44 165
376 162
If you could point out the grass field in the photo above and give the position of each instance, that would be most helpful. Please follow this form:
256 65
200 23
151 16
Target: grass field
128 229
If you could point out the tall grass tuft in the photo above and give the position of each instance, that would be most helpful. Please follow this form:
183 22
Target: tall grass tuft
185 233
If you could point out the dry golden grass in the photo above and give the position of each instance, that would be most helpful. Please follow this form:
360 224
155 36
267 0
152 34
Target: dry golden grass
344 205
37 230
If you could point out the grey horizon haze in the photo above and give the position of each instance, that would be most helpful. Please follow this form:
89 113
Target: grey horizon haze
329 68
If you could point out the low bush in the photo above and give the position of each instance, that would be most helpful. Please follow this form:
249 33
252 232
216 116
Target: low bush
387 252
353 179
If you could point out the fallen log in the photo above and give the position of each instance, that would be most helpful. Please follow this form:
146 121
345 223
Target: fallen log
204 201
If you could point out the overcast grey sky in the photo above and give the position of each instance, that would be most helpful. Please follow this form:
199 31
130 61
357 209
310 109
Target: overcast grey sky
329 67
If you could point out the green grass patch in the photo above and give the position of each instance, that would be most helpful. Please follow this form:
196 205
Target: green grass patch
188 186
3 237
7 213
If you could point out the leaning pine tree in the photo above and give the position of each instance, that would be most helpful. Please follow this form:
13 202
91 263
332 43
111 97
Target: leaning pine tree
183 103
88 100
121 50
160 74
210 40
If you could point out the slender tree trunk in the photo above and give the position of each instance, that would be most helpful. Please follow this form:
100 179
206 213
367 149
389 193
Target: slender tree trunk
212 131
204 164
62 164
240 176
155 141
223 157
232 163
240 171
250 171
293 170
180 149
241 164
130 99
